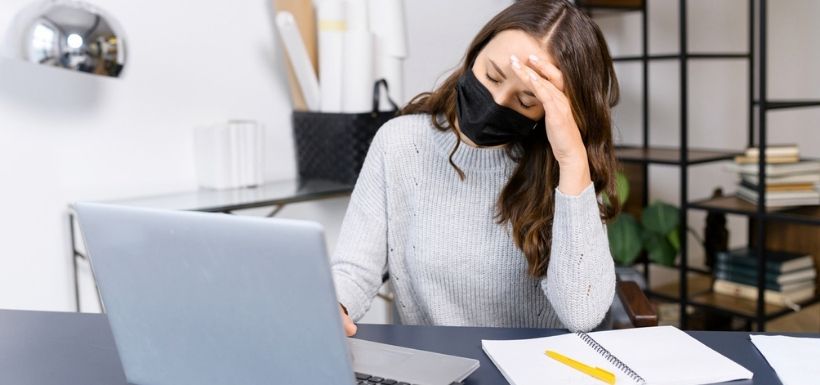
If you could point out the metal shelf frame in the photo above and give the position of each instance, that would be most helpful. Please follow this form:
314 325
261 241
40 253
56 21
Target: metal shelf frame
759 106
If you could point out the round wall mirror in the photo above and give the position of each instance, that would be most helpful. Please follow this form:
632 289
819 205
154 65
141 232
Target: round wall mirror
69 34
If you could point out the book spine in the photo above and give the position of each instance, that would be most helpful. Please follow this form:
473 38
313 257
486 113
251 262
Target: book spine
747 280
747 292
773 285
744 269
789 150
792 187
775 277
742 159
748 261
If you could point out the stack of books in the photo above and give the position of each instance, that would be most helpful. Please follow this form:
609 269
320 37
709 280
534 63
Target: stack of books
789 180
790 277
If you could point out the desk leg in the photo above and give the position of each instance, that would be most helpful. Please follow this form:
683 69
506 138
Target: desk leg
276 210
74 253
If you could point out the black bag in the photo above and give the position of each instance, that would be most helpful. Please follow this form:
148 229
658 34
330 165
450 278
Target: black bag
332 146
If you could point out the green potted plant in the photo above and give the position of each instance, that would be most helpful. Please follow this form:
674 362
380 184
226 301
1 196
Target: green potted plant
657 232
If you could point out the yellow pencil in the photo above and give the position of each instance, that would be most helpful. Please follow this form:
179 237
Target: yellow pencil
596 372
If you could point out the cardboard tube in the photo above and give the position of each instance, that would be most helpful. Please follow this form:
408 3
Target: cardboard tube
331 53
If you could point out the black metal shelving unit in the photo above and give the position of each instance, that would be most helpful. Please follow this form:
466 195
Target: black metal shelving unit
683 157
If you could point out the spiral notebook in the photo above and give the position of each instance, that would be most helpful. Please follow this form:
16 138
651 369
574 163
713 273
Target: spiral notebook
654 355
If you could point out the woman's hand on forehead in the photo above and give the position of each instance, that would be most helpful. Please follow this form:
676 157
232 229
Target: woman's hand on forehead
544 79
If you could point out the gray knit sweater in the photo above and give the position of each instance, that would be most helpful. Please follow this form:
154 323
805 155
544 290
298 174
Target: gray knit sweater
450 262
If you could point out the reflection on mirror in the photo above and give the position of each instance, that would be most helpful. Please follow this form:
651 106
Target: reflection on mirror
69 34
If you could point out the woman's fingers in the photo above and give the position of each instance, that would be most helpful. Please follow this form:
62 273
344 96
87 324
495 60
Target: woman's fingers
349 326
542 88
548 71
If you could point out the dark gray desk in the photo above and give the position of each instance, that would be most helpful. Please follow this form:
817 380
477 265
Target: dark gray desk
275 194
45 348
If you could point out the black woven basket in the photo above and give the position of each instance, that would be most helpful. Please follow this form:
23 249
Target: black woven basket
332 146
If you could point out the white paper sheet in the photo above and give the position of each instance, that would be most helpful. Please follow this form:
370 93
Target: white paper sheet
795 360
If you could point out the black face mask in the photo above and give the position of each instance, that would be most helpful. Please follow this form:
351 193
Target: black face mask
484 121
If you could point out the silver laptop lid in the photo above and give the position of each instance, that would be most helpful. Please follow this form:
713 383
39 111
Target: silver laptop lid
196 298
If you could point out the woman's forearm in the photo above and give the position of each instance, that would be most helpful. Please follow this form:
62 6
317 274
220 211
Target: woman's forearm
580 281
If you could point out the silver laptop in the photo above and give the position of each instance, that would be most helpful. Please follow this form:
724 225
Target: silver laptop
196 298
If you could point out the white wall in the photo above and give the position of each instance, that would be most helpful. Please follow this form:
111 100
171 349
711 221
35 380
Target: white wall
718 92
67 137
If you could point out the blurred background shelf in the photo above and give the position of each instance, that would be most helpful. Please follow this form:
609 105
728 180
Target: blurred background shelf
701 295
670 155
792 229
677 56
734 205
782 104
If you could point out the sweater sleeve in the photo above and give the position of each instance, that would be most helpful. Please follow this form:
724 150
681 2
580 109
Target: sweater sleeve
580 280
360 257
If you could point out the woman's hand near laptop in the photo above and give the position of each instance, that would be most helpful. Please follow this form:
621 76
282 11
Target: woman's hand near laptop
347 323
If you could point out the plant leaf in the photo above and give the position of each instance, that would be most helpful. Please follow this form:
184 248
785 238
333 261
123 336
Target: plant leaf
624 239
660 250
674 239
660 218
621 188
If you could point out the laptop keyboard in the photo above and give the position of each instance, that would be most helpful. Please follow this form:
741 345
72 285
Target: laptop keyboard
366 379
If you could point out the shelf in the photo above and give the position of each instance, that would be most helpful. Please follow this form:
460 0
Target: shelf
784 104
670 155
734 205
701 295
593 5
698 284
677 56
742 307
809 215
779 221
727 204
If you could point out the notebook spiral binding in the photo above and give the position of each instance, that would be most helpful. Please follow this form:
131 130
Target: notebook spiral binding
611 358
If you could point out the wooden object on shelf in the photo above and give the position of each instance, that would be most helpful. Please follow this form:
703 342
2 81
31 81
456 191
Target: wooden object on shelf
634 202
304 14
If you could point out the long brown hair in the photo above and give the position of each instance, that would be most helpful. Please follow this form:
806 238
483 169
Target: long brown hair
578 47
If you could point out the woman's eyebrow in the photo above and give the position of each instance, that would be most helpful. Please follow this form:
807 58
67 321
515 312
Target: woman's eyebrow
500 72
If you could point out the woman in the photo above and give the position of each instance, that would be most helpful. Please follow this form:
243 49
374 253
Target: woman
481 201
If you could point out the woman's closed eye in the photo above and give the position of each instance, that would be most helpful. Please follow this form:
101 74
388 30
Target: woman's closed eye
521 101
524 104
